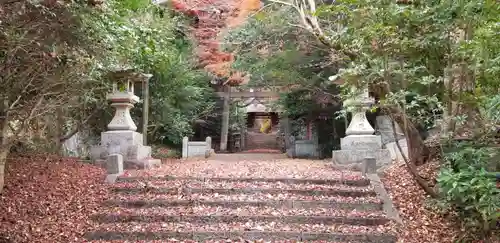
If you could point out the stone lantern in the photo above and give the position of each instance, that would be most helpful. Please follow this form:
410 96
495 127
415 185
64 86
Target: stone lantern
121 137
123 99
360 142
359 124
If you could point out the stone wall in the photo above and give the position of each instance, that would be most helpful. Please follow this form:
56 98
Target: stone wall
79 145
306 149
196 148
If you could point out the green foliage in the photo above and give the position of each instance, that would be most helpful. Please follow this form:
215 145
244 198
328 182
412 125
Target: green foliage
475 196
423 59
468 186
140 35
461 156
492 108
162 152
274 52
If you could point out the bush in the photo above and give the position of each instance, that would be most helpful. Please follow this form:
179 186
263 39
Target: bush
162 152
469 189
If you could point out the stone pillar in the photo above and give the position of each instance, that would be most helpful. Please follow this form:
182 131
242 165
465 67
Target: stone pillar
287 130
385 129
225 119
208 150
145 108
185 141
208 140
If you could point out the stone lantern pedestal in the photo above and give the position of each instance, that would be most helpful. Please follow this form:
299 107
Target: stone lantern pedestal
121 137
360 142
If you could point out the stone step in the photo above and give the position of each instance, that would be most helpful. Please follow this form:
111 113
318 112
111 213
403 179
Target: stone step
241 185
294 219
295 204
350 182
276 226
241 211
228 191
177 232
246 197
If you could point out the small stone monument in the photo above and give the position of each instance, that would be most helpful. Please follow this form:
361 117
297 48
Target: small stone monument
121 137
386 131
360 142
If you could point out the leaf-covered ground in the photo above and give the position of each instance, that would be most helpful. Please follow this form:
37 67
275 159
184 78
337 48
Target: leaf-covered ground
422 223
49 199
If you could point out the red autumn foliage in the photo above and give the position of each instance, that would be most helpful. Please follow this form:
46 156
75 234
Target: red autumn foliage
49 199
213 17
183 8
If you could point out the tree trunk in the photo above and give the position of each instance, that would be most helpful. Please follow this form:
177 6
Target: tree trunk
4 140
460 87
58 131
412 168
4 151
418 153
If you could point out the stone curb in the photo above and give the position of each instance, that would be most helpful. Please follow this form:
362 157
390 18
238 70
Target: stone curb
388 206
297 204
232 191
115 218
359 182
201 236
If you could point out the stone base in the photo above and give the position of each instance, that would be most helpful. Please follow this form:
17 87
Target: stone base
121 137
361 142
342 157
134 165
143 164
138 152
119 142
126 143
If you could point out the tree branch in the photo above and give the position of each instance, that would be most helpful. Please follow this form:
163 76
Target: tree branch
78 127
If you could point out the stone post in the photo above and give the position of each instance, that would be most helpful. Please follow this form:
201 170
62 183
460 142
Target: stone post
185 141
114 164
208 140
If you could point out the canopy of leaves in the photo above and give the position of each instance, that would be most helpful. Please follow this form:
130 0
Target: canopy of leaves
274 52
55 56
151 39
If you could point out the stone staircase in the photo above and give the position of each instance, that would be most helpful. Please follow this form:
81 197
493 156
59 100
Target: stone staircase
258 140
169 209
